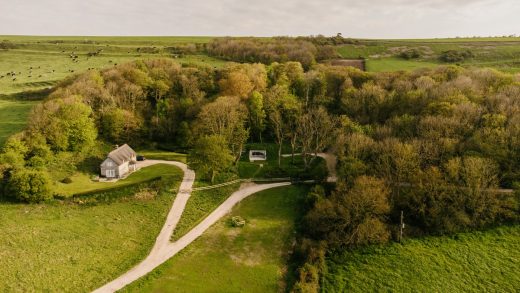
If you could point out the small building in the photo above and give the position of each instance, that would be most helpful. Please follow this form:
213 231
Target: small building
119 162
257 155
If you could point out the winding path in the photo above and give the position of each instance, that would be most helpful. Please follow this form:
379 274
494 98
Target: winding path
163 249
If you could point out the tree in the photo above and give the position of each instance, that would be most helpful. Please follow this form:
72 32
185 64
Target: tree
257 113
315 130
14 152
241 80
119 126
210 156
225 117
29 185
282 110
354 216
67 124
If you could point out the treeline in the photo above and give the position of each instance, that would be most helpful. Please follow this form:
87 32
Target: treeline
306 50
436 145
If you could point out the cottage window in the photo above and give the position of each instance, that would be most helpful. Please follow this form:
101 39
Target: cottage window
109 164
111 173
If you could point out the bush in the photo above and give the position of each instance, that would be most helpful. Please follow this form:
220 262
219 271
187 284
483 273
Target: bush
238 221
29 186
453 56
410 54
67 180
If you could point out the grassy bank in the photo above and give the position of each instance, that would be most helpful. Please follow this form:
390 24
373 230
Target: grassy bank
200 205
67 247
13 117
81 182
467 262
228 259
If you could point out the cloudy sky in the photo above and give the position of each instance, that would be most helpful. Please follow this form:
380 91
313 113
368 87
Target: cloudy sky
353 18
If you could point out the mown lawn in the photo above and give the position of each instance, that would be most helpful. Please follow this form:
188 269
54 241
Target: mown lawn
163 155
487 261
228 259
13 117
82 182
67 247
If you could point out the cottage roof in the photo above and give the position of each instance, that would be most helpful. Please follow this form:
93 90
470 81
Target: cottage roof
122 154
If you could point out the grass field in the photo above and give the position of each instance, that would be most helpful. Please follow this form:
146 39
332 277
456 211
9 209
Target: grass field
13 117
163 155
40 62
395 64
499 53
200 205
82 183
486 261
228 259
67 247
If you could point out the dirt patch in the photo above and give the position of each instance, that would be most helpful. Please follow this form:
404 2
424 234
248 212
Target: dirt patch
145 194
356 63
248 257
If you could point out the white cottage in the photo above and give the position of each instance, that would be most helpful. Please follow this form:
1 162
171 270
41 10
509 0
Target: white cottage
119 162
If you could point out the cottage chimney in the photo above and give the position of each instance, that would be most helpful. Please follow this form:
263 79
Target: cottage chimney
117 146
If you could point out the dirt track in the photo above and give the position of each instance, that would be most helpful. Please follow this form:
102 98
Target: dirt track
163 249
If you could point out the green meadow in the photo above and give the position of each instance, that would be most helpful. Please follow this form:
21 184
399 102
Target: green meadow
499 53
13 117
67 246
486 261
40 62
227 259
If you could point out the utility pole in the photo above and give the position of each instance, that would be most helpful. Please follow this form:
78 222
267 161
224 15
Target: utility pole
401 227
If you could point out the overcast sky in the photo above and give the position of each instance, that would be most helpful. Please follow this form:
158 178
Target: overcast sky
353 18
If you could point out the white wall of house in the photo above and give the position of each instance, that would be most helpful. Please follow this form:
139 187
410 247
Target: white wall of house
123 169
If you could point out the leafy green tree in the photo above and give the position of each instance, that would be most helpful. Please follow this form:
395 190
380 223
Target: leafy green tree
14 152
352 216
225 117
210 156
257 113
29 185
120 126
67 124
282 108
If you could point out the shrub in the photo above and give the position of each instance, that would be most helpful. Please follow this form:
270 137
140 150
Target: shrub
238 221
29 186
67 180
410 54
453 56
